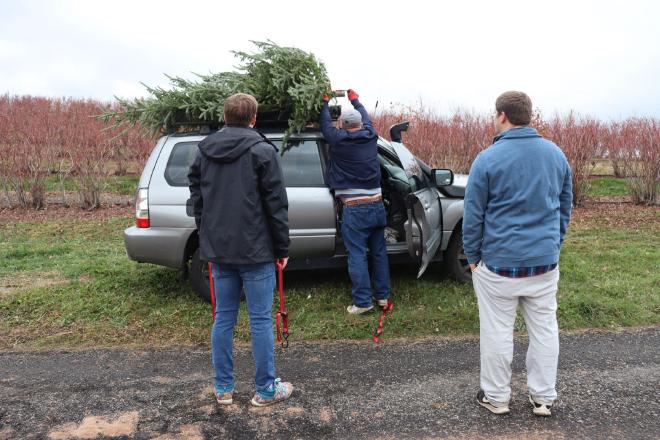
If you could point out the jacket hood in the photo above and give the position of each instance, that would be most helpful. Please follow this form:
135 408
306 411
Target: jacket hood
364 135
517 133
230 143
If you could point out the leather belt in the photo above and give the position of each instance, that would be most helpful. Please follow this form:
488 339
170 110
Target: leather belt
362 201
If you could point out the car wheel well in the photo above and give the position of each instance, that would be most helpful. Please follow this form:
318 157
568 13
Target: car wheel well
455 256
191 246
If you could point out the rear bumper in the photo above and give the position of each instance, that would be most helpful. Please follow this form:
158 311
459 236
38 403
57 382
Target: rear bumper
162 246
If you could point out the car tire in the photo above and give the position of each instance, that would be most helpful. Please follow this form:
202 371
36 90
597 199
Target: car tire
455 258
199 277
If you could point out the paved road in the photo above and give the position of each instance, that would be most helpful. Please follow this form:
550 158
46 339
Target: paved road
608 386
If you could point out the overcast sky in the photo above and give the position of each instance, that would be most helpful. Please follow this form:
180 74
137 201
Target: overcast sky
600 58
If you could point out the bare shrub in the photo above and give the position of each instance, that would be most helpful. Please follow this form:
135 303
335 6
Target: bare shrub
578 137
451 142
42 137
643 160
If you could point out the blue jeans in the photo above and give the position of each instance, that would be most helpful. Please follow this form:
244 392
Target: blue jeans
363 228
258 282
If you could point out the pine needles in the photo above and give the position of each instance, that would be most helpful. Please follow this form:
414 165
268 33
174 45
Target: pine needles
284 80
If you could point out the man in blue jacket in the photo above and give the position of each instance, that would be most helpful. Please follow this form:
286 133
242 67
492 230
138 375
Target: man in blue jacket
517 208
354 175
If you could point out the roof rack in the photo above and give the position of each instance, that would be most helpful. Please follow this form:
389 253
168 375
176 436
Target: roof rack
265 119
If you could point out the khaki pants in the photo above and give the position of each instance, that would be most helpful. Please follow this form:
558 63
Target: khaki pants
498 299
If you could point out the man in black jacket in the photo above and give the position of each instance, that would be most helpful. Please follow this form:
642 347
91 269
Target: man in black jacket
241 212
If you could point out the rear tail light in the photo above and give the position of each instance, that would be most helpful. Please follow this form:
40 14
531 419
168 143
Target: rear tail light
142 208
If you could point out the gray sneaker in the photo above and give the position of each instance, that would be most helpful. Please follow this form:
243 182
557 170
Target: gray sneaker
382 302
283 391
355 310
483 401
541 409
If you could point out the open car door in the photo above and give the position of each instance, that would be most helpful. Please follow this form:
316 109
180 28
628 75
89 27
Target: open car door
424 225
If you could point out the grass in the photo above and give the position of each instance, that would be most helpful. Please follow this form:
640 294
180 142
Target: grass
69 284
609 186
124 185
602 167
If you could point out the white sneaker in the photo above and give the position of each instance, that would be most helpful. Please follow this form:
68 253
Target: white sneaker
541 409
382 302
354 310
483 401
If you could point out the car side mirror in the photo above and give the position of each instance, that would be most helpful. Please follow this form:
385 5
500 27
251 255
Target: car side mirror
443 177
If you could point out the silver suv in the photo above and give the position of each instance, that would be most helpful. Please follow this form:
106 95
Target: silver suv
424 208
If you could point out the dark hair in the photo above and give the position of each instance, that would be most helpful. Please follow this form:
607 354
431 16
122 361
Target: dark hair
240 108
516 105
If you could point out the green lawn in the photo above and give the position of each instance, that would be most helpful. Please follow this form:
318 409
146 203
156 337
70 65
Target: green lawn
68 283
124 185
609 186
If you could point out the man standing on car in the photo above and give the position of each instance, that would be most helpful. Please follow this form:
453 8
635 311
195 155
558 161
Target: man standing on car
241 212
354 175
517 208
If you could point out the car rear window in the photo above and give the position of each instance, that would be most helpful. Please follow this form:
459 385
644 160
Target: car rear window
182 156
301 164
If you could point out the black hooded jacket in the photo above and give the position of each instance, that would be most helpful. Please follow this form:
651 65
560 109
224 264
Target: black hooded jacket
239 200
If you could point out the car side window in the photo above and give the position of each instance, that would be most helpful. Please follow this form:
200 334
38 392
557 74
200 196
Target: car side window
397 174
182 156
301 163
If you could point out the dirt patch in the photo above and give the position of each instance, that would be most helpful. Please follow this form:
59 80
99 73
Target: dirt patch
262 409
163 379
57 212
18 280
206 393
207 409
233 408
6 433
615 212
91 427
325 414
187 432
529 435
295 411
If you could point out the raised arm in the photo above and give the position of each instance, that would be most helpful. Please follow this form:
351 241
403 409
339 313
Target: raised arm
357 105
325 121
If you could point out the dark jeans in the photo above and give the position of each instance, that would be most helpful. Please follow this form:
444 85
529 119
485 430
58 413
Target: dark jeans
363 228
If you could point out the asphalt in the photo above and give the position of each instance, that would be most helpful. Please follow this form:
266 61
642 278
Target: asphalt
608 385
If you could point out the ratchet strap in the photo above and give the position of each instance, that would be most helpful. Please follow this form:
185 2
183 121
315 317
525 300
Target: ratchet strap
282 318
386 311
212 286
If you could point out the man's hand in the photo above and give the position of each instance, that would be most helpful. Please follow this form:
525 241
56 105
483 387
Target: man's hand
283 261
473 266
352 94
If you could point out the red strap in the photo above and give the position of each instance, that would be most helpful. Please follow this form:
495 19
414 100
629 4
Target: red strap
282 318
386 310
212 285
